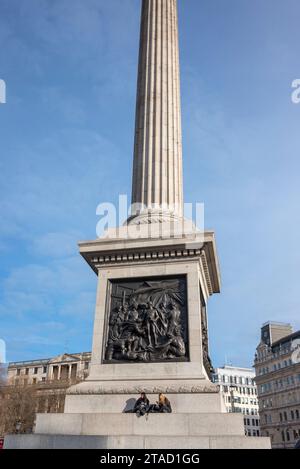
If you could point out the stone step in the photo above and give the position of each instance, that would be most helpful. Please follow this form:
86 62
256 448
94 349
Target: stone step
134 442
131 425
93 402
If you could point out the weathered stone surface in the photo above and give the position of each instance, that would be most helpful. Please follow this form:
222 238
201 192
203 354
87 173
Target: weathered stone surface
133 442
157 169
111 403
130 425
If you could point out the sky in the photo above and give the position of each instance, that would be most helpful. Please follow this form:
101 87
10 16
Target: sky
66 145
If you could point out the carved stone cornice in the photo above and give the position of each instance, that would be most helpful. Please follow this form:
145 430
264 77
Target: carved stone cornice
143 256
107 252
135 390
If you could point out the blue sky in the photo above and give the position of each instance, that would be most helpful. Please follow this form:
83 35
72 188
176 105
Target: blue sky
66 144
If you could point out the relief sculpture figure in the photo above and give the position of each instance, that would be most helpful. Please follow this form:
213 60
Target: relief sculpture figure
148 324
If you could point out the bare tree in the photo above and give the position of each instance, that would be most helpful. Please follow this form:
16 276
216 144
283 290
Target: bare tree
20 403
3 374
18 407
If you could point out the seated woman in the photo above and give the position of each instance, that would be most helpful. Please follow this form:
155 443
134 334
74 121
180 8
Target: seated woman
142 405
164 405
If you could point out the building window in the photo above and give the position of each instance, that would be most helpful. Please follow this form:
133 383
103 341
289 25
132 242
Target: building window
292 380
292 415
18 371
86 367
36 371
288 438
285 416
297 414
34 381
44 379
27 371
44 369
283 436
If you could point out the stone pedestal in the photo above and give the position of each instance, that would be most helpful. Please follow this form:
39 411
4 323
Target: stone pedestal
123 264
117 431
94 414
155 278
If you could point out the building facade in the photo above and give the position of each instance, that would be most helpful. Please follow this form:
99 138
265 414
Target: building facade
66 367
277 366
38 386
240 395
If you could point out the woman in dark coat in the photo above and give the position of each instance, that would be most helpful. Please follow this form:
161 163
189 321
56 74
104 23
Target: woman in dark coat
142 405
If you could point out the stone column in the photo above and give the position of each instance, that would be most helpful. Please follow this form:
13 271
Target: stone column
157 168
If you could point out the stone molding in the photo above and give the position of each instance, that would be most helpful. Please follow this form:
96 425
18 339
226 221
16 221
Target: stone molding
193 389
154 256
145 256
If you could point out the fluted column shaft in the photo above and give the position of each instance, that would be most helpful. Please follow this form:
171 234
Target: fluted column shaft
157 168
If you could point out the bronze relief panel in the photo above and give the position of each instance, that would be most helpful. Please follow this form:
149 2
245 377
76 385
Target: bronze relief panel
147 321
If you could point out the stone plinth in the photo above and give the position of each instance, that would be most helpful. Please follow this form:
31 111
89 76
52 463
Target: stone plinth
91 402
192 424
115 431
112 387
134 442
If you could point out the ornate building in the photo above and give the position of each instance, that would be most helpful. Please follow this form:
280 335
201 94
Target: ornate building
38 386
277 366
240 395
66 367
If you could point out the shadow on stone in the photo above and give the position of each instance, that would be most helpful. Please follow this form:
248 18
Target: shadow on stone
130 403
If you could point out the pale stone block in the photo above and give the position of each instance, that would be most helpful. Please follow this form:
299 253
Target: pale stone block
133 442
181 403
72 442
239 442
61 424
173 443
216 424
162 424
112 424
181 424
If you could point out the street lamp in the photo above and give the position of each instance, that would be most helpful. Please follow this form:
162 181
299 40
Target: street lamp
18 426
